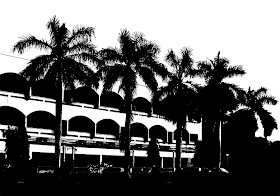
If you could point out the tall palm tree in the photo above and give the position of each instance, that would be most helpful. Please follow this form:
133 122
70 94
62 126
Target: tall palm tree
219 97
255 101
62 67
179 94
136 58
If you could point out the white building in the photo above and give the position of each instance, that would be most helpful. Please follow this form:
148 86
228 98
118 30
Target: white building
91 122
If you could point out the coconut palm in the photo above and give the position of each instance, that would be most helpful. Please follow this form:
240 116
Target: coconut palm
219 97
255 101
179 94
136 58
62 67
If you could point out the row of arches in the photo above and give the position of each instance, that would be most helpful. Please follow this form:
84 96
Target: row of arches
46 120
12 82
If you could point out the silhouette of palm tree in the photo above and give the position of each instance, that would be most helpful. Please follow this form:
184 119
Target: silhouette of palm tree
255 101
136 58
179 95
63 65
219 97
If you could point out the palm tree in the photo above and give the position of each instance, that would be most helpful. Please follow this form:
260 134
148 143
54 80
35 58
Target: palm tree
219 97
136 58
62 66
179 95
255 101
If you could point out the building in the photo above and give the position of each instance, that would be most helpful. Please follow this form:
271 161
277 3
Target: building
92 123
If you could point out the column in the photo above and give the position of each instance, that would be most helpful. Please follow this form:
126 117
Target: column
73 158
100 159
161 162
133 158
173 156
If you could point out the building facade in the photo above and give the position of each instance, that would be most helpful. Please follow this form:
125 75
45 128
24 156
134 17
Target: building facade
92 124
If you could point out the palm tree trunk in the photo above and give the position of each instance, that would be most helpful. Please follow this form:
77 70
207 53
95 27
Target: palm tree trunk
127 136
58 129
178 148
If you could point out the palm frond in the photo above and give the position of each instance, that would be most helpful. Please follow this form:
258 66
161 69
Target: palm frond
111 54
127 44
82 46
234 71
267 99
171 58
187 60
111 75
268 122
37 68
80 73
81 33
53 26
28 42
148 76
261 91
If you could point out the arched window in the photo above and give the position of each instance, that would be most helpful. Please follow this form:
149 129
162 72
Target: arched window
82 124
41 120
108 127
111 99
42 88
86 95
185 136
139 130
141 104
12 82
11 116
159 132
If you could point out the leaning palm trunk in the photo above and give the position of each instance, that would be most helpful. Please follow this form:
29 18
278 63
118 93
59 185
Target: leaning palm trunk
127 137
58 125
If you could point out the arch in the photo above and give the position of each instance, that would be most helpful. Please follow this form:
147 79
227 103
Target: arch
109 127
41 120
141 104
86 95
185 136
111 99
139 130
159 132
42 88
11 116
12 82
82 124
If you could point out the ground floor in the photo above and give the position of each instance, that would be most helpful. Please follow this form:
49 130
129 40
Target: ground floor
43 155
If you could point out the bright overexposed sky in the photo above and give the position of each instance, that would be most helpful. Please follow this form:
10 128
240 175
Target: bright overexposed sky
246 32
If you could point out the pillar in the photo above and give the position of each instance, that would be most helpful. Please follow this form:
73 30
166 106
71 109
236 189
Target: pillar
161 162
100 159
133 158
173 156
73 158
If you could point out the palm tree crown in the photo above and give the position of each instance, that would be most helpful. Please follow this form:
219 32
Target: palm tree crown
255 101
66 52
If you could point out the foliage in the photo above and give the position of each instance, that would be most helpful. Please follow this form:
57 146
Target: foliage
255 101
98 168
17 146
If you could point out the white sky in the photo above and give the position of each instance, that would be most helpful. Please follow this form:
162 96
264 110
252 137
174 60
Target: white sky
246 32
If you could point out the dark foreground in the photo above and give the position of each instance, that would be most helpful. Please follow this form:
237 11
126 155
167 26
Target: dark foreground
147 184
